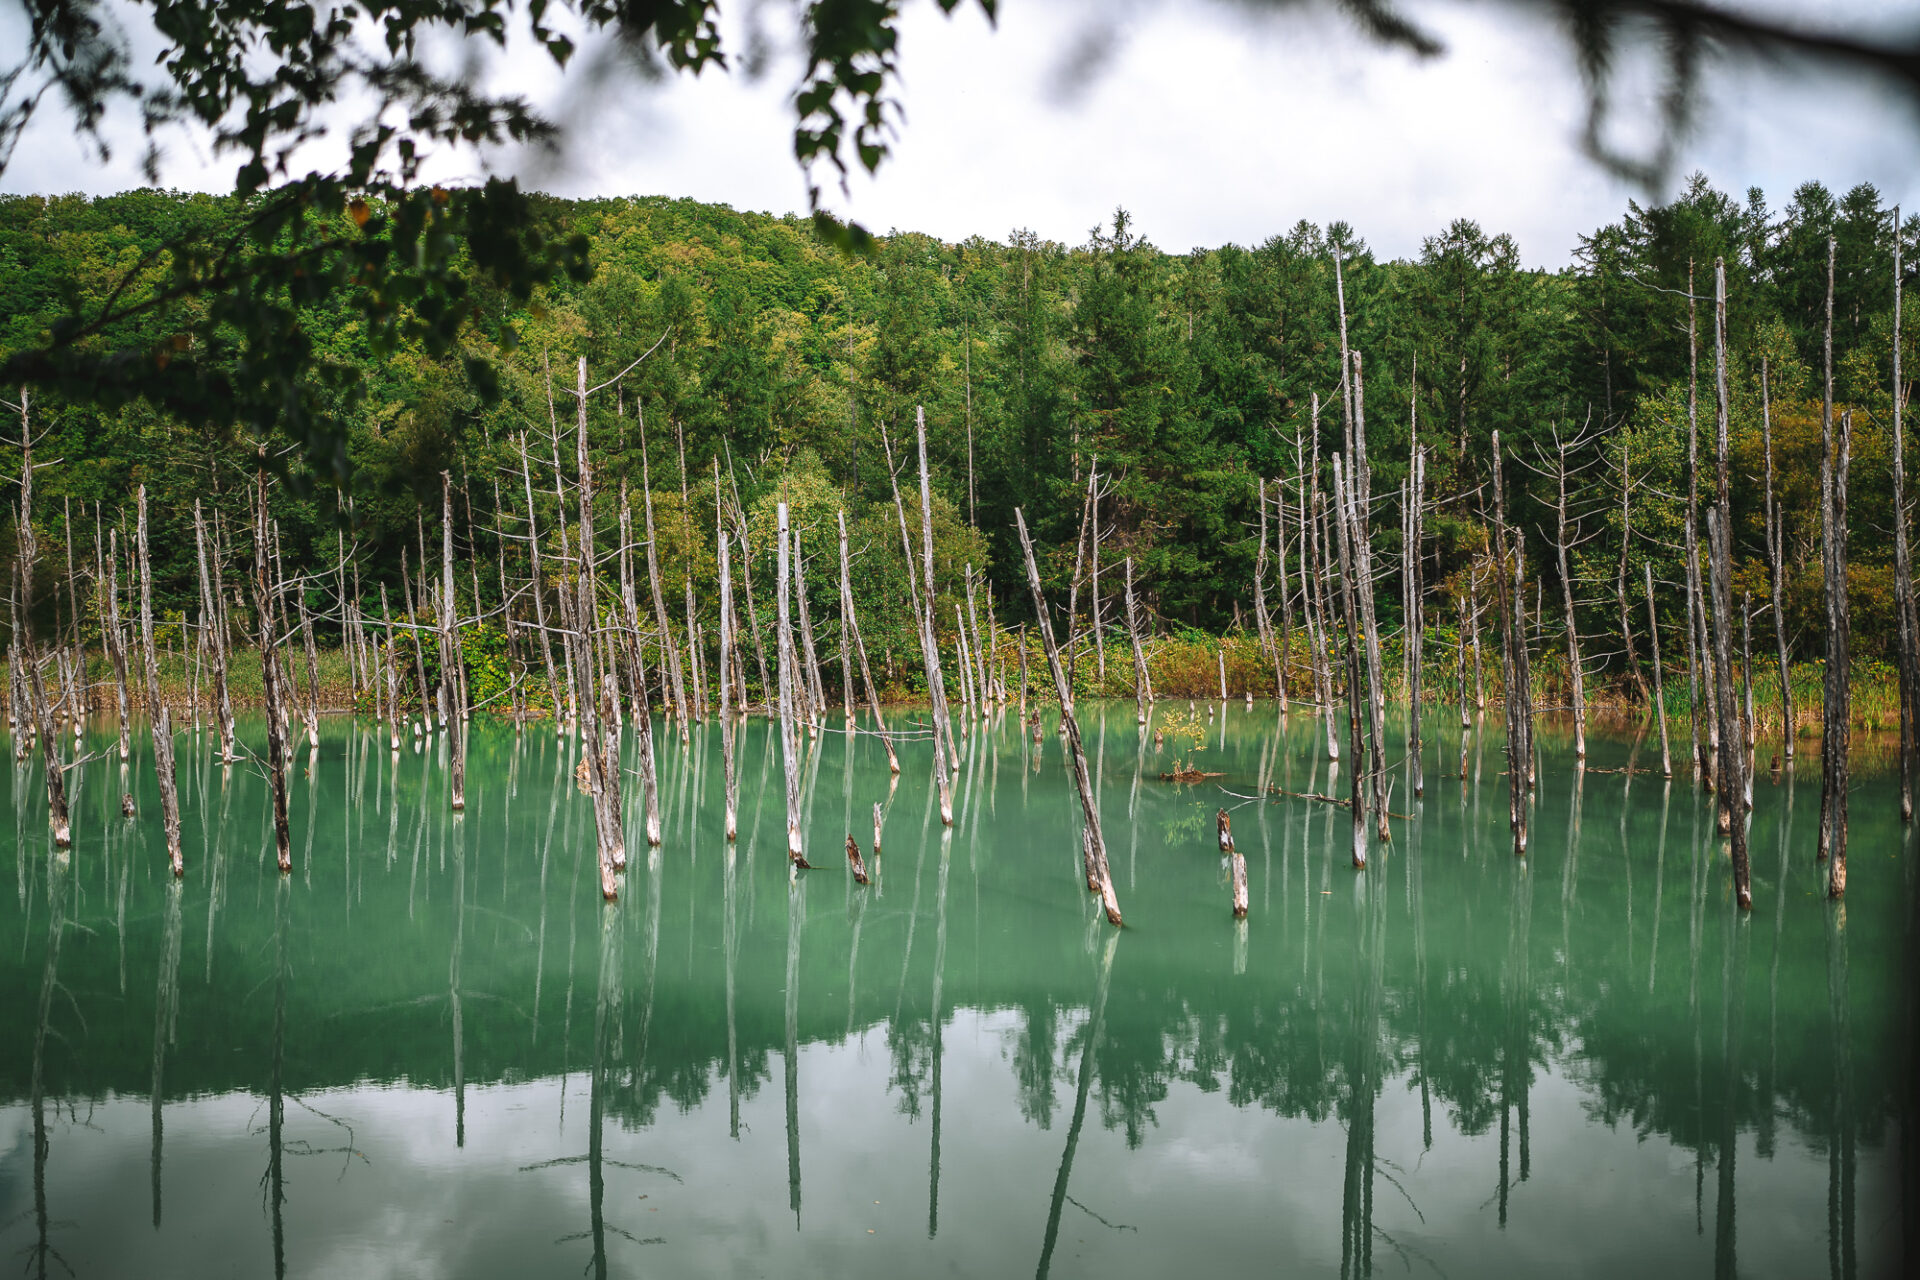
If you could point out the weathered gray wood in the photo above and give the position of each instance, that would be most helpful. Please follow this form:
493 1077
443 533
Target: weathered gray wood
1834 737
1732 759
1236 865
25 558
1777 571
450 650
643 712
1359 498
851 623
157 716
214 635
729 767
1620 573
854 861
109 588
789 745
1568 618
1356 672
596 711
1142 678
1659 681
1508 582
669 655
1706 728
539 586
1100 875
1416 619
1909 629
264 588
929 651
936 684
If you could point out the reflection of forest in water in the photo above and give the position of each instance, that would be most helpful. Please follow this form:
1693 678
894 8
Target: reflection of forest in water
413 946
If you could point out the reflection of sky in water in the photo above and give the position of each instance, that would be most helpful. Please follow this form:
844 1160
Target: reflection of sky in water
1221 1114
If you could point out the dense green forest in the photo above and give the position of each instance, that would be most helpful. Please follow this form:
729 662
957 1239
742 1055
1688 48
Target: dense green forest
1187 379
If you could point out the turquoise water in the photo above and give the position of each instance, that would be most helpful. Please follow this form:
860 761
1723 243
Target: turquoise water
433 1051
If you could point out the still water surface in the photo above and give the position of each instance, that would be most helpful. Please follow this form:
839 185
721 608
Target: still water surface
432 1051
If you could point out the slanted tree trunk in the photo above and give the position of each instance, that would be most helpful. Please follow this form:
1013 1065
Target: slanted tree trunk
1659 682
930 655
1236 865
852 626
1142 680
789 745
214 633
1100 876
1356 670
157 717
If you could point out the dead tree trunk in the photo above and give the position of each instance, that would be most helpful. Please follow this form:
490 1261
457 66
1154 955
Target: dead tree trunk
642 711
729 767
1579 690
1236 865
157 716
603 773
1507 579
214 631
852 625
539 585
1359 497
936 685
1776 556
1659 682
1142 680
816 690
930 655
1100 877
1706 754
1732 749
450 649
1356 672
789 745
115 641
1833 530
1620 574
27 554
854 861
1903 563
669 655
1416 620
264 589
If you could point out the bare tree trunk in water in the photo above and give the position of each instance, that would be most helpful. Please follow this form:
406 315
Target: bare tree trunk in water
1659 682
1356 671
1903 563
852 626
1142 681
789 746
158 718
264 589
1100 876
1776 555
1833 540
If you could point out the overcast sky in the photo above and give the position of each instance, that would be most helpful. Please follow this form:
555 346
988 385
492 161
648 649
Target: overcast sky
1209 123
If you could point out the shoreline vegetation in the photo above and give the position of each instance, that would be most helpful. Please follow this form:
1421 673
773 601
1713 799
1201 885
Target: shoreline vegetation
1183 668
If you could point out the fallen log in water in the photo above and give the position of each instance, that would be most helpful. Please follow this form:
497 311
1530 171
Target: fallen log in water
853 858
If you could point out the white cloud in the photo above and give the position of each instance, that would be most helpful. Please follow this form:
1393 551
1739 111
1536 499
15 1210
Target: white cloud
1208 123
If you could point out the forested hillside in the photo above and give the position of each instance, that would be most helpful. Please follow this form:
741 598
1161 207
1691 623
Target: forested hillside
1187 379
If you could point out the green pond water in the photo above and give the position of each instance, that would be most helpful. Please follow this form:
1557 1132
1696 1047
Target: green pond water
433 1051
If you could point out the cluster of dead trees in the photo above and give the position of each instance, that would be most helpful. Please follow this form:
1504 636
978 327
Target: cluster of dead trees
588 623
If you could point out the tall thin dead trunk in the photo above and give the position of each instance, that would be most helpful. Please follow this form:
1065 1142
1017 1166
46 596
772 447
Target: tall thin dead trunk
642 711
1142 679
816 690
1902 562
450 650
1360 495
264 590
1356 674
789 744
1507 579
1579 691
1416 619
392 665
24 561
1100 875
213 630
669 655
539 585
158 718
1833 530
936 685
930 655
852 624
728 765
596 738
1620 573
1659 682
1777 570
1732 747
1706 753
